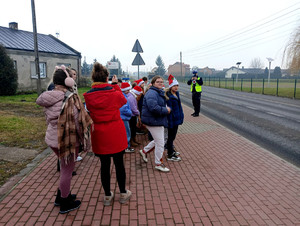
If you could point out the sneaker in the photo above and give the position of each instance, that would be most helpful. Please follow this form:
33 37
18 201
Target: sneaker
108 199
129 150
174 158
79 158
124 197
176 153
162 168
144 156
195 115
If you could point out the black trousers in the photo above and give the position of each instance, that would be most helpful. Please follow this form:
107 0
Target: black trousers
172 132
196 97
132 124
120 171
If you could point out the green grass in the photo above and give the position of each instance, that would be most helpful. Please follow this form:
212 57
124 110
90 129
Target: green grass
9 169
286 87
22 121
23 125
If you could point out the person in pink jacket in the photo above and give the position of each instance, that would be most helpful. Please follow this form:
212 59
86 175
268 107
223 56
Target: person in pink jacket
64 108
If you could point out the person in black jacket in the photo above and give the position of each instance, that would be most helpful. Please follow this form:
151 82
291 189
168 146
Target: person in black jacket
196 88
175 118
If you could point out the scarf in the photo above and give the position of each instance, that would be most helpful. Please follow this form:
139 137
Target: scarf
98 83
66 127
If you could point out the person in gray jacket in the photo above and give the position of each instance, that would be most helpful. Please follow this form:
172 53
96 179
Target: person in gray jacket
154 116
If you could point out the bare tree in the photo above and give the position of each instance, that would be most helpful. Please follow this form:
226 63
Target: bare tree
292 52
257 63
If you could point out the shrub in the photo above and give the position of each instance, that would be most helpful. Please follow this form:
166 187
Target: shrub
8 75
84 82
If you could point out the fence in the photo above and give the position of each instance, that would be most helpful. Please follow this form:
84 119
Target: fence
276 87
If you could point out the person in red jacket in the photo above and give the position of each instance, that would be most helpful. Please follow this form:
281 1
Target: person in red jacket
109 138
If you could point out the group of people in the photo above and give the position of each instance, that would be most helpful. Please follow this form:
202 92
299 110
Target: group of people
107 123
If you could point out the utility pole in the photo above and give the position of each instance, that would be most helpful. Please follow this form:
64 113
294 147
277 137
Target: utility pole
36 51
237 74
181 63
269 74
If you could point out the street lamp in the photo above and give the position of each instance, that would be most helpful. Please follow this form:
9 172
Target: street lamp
270 60
237 74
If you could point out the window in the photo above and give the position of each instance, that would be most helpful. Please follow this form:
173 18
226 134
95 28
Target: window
43 70
15 64
66 64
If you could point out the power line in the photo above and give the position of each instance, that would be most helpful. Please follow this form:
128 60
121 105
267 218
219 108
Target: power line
227 45
209 53
239 32
219 54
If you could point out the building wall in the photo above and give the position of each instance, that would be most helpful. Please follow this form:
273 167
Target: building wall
206 71
175 69
23 61
232 71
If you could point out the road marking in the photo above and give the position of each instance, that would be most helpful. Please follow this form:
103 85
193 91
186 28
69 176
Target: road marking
271 113
253 108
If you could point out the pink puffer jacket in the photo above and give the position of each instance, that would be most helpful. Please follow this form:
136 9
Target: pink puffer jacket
52 102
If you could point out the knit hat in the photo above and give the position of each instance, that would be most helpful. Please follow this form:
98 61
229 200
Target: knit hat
137 90
125 86
172 81
139 82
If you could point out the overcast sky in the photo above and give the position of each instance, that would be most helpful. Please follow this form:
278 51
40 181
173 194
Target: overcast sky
214 33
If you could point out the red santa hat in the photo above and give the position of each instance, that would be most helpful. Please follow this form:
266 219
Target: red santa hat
139 82
125 86
172 81
137 90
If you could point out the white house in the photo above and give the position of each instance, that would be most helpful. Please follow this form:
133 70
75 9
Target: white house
233 70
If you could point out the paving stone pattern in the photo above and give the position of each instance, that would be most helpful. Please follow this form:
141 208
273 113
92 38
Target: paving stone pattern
223 179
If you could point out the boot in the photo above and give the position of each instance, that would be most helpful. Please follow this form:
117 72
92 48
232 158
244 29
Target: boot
68 204
133 144
58 165
58 198
134 140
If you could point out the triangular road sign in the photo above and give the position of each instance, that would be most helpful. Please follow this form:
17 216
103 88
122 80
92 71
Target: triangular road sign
138 60
137 47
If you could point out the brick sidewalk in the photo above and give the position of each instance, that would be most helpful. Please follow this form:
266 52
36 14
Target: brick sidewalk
223 179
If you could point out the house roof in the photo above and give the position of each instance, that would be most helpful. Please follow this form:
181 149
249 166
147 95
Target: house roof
23 40
248 70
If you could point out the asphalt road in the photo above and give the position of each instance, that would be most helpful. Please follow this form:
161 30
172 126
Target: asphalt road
269 121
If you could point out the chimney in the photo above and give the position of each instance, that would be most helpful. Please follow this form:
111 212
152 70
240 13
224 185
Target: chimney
13 25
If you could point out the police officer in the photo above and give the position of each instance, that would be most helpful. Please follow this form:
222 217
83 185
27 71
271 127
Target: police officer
196 89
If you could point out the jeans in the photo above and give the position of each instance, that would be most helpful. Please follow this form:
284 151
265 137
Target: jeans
128 133
172 132
157 133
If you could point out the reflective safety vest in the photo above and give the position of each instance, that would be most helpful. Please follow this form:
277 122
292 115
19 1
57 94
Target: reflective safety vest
198 88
